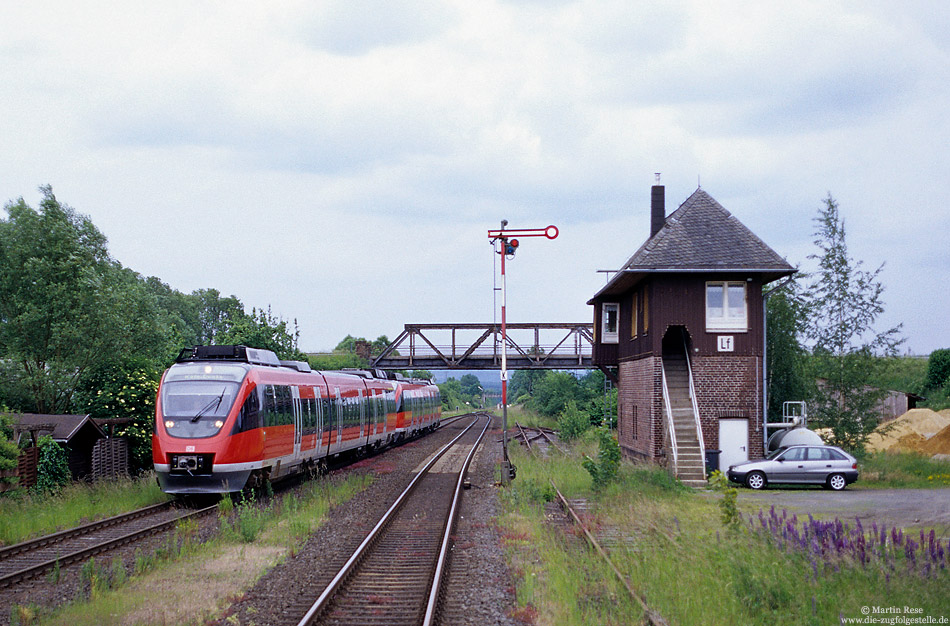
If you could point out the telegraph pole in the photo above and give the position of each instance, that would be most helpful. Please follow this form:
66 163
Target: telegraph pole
509 245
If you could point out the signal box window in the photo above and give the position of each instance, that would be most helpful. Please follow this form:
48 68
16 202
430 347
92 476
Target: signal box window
726 306
610 322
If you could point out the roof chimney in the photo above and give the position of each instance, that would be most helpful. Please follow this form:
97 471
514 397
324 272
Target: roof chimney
657 207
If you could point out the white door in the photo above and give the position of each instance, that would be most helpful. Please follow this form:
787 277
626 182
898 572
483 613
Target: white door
733 442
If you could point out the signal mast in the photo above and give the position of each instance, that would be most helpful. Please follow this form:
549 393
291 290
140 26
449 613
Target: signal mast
508 242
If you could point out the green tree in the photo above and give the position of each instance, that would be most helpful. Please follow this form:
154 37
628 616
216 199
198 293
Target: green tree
216 316
127 392
572 422
842 305
335 361
451 392
553 392
598 403
521 384
9 451
471 386
938 368
786 379
179 315
261 329
64 303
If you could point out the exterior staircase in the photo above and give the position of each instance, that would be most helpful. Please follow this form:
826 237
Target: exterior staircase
691 462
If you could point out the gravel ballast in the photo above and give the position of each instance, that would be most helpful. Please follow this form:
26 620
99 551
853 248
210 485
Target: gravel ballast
479 589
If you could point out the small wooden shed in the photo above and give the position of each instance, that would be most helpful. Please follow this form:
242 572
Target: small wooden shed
78 434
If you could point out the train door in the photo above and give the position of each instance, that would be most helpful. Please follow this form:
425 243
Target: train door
298 420
375 404
361 406
318 420
338 417
308 410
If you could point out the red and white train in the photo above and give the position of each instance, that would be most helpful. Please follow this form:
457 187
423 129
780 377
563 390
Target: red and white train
230 417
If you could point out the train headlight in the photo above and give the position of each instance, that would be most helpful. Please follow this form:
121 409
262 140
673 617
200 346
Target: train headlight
218 424
169 424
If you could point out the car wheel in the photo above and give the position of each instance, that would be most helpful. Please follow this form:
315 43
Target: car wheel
837 482
755 480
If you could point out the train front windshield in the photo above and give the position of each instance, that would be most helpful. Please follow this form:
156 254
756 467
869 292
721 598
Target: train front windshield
194 406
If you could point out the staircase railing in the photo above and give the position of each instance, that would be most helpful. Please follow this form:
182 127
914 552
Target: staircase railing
692 397
669 419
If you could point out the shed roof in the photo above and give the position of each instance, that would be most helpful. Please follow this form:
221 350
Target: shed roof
65 427
699 236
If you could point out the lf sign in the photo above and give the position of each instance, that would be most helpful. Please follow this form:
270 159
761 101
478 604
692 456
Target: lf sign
725 343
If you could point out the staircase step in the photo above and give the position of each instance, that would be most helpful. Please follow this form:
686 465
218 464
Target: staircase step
691 455
693 482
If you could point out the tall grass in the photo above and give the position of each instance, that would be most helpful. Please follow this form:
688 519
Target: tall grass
903 469
299 516
178 566
517 413
670 543
26 516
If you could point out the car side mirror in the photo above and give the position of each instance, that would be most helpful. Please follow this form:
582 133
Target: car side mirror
780 460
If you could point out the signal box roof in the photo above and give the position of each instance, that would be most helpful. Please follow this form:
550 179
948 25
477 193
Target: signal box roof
699 236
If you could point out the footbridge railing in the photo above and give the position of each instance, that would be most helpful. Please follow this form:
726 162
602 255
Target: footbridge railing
478 346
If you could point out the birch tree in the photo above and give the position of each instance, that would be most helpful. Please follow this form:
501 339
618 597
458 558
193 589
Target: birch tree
843 302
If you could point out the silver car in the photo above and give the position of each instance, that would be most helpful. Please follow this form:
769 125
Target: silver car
817 465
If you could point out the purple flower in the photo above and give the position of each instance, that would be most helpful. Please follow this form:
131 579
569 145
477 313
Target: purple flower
909 548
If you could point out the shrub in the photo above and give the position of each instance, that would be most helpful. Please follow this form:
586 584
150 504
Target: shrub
604 470
572 422
938 368
52 471
728 507
9 451
127 393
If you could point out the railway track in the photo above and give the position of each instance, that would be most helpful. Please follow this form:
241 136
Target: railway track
29 559
650 616
542 438
394 576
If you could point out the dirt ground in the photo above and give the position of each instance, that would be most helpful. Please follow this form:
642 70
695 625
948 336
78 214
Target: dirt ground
904 508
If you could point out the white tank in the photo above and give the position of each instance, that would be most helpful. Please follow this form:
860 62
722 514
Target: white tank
794 437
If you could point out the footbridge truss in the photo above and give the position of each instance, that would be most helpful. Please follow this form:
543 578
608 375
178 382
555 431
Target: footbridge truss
478 347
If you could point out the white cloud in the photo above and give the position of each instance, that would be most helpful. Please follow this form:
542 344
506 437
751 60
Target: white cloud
323 142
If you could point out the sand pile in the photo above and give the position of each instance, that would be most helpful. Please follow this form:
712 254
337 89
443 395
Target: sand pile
938 444
923 422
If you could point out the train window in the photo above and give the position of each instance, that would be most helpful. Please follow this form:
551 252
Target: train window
311 416
327 407
196 408
285 403
269 405
250 416
305 415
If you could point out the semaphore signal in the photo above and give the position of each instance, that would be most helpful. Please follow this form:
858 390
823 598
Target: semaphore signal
509 245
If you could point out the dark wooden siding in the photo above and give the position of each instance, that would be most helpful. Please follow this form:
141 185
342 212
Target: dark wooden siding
680 300
676 300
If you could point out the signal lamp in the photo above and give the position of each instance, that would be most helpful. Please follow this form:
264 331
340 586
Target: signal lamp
511 247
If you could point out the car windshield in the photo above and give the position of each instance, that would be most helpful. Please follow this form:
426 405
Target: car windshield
774 455
196 408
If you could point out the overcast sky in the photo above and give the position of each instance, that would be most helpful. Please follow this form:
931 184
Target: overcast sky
342 161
